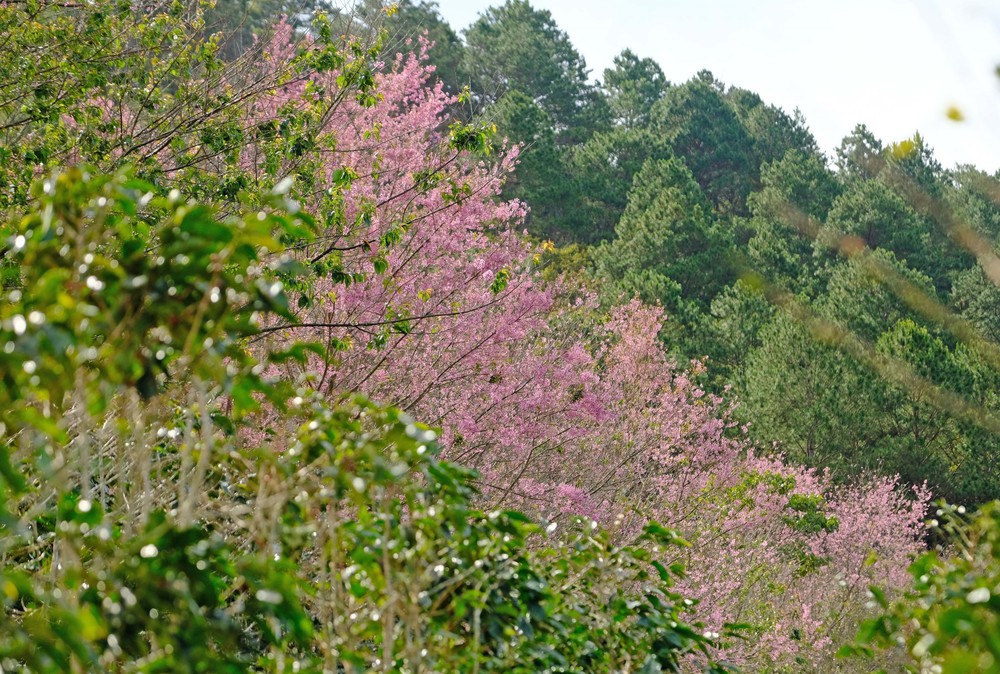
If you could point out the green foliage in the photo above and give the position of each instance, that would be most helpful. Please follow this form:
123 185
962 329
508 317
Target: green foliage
633 86
976 298
974 201
882 219
773 132
668 229
798 179
117 286
949 617
831 405
743 492
605 168
703 129
797 191
572 261
732 329
669 250
517 47
859 155
857 298
914 159
808 514
540 178
146 87
148 523
472 138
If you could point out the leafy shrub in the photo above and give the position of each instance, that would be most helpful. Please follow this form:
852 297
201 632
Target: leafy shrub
948 620
142 531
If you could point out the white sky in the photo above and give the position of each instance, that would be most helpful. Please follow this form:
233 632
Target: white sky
895 65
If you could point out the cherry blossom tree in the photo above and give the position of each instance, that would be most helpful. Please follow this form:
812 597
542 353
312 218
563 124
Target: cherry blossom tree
427 297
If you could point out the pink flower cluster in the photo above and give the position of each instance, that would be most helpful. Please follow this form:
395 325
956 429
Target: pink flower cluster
565 412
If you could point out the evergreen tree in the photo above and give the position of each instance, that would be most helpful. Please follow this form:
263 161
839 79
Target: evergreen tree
703 129
882 219
859 155
668 228
540 179
633 85
796 194
517 47
771 129
604 169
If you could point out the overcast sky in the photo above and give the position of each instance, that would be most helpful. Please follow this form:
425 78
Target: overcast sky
895 65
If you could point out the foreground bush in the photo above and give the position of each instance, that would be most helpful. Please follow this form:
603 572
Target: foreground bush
141 532
948 620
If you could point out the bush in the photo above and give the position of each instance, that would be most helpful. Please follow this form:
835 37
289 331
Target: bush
144 529
948 620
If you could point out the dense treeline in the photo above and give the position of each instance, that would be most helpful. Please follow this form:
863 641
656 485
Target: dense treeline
227 235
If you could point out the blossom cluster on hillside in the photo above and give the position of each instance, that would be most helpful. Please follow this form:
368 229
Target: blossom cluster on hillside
288 387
